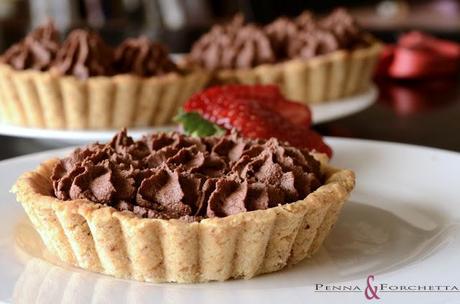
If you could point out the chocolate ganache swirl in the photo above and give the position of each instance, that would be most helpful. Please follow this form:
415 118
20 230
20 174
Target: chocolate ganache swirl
173 176
312 43
233 45
344 27
284 30
143 57
36 51
83 54
239 45
306 36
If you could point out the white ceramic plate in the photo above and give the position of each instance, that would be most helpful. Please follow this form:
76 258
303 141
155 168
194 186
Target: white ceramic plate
321 113
335 109
402 225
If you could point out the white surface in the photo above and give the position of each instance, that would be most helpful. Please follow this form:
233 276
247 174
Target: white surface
402 224
321 113
335 109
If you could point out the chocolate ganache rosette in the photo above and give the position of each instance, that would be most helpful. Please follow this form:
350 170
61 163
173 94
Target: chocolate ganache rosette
233 45
143 57
83 54
36 51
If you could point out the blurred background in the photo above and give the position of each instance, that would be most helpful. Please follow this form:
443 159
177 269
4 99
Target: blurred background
178 23
424 111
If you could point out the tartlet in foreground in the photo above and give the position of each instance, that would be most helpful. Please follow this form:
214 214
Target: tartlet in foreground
173 208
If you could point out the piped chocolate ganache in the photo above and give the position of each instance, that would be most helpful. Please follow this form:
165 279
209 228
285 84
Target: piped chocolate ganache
241 45
174 176
143 57
36 51
85 54
233 45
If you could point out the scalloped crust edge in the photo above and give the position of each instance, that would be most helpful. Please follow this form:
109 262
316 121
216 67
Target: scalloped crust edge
43 100
102 239
315 80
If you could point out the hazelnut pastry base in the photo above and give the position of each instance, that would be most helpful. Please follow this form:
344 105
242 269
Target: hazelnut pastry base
316 80
40 99
102 239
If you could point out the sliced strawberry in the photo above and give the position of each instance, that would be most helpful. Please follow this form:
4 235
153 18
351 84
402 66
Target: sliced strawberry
297 113
268 95
305 138
262 92
248 117
253 119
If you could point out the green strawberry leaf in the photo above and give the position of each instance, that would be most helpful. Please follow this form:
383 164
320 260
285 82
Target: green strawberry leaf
195 125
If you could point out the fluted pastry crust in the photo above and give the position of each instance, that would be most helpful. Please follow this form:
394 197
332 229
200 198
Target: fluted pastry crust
44 100
314 80
101 239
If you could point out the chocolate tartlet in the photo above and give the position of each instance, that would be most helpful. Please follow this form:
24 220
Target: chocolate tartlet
312 59
173 208
85 84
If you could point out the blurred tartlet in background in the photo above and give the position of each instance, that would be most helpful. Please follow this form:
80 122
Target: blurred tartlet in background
312 59
85 84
